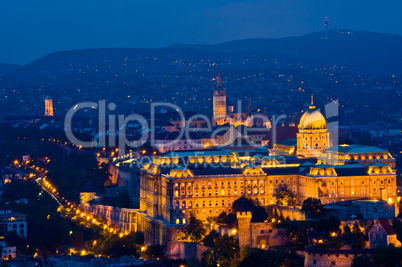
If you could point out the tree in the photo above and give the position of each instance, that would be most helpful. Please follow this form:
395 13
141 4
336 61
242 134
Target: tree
257 257
347 230
115 246
362 261
298 236
258 212
77 239
155 252
224 253
221 217
313 207
209 258
195 229
285 198
227 246
242 201
388 256
209 240
360 242
230 220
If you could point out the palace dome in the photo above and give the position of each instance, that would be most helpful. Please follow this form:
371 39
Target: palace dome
312 119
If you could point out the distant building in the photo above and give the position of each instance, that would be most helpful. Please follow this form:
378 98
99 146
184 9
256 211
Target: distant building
358 154
383 234
362 209
49 106
88 192
219 102
12 221
313 136
7 252
221 115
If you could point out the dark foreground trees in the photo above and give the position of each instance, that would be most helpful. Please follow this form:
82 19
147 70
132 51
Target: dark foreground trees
195 229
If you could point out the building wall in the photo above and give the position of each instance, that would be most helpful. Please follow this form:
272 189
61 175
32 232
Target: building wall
343 188
259 235
11 221
185 250
8 252
87 196
174 198
265 235
377 210
325 259
312 142
377 237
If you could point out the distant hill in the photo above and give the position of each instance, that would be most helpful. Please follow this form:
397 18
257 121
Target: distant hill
366 51
6 68
360 51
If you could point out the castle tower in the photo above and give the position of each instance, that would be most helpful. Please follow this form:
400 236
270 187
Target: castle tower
48 106
219 102
244 216
313 136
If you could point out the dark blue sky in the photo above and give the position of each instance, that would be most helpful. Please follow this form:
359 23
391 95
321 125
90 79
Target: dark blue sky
32 28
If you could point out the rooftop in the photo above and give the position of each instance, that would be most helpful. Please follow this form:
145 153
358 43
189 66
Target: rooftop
387 227
349 149
288 142
196 153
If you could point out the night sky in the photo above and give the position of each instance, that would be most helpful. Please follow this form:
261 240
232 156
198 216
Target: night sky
33 28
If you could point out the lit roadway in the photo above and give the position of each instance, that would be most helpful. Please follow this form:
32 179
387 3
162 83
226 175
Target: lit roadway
43 182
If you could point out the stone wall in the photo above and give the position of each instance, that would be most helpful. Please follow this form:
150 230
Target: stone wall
292 214
375 210
362 209
332 257
324 260
185 250
265 235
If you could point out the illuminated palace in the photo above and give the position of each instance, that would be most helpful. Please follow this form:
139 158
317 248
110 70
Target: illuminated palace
221 115
207 182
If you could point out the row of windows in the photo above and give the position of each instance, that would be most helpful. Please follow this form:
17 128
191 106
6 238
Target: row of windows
235 183
362 191
352 182
203 203
271 181
255 191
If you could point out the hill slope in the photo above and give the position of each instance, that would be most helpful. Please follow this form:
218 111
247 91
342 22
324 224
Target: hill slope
367 51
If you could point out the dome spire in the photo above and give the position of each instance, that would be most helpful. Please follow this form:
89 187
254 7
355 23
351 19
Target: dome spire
312 102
